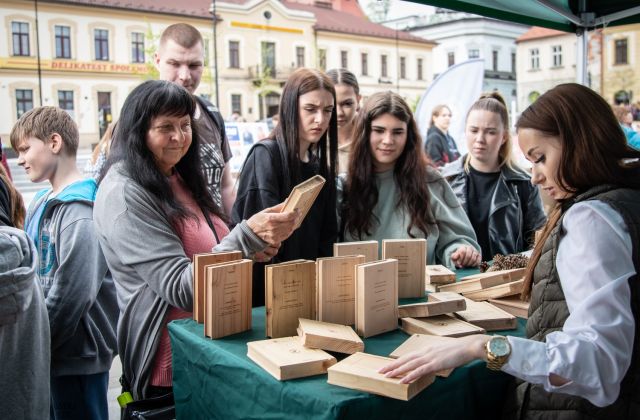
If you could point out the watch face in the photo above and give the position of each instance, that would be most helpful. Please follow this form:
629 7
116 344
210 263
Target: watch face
499 346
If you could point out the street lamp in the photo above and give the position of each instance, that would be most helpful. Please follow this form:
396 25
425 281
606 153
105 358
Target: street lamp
214 19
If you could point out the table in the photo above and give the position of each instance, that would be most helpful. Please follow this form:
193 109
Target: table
215 379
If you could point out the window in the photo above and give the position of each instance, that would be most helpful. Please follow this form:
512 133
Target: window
20 34
344 59
24 101
383 65
621 51
322 59
513 62
299 56
234 54
494 60
451 59
137 47
534 53
269 58
556 51
474 53
65 101
63 41
364 63
419 70
403 67
236 103
101 40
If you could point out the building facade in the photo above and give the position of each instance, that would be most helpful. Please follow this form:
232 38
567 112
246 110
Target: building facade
547 57
463 36
621 64
91 54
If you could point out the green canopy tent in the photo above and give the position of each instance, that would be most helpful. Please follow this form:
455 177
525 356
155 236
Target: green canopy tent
577 16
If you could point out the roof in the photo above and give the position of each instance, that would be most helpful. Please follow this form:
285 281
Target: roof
336 21
537 32
192 8
326 19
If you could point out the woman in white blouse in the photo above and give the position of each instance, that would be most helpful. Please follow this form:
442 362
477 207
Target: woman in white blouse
582 353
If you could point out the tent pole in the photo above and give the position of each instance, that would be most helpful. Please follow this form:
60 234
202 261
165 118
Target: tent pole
582 45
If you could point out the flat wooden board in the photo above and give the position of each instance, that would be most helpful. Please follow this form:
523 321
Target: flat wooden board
290 293
512 305
200 262
330 337
430 288
302 197
228 306
336 288
483 281
411 255
427 309
376 297
418 342
487 316
443 296
367 248
286 358
442 325
495 292
439 274
360 371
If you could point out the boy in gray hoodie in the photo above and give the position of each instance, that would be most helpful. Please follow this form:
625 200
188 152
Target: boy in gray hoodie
79 292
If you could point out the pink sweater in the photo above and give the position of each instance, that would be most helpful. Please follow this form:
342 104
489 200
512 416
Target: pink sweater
196 238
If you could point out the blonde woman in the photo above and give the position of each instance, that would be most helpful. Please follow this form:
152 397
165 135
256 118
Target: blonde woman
504 208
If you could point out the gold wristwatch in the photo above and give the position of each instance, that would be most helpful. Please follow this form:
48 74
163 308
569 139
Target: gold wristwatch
498 352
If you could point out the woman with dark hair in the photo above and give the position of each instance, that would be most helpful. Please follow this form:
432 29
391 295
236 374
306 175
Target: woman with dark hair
12 212
302 145
504 208
152 213
347 105
581 357
440 146
391 193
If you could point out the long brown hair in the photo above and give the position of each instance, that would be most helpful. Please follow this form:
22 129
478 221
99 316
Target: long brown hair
410 171
303 81
495 103
17 204
594 148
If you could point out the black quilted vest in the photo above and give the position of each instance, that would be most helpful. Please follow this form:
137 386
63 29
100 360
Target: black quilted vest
548 312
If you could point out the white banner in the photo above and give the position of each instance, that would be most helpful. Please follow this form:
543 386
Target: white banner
458 87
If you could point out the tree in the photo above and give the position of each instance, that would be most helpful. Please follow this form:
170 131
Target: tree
379 10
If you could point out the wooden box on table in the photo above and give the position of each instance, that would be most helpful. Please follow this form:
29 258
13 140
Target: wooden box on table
286 358
200 262
290 293
328 336
411 255
376 297
337 288
228 305
360 371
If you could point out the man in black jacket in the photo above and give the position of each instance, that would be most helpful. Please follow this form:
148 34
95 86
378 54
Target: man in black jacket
180 59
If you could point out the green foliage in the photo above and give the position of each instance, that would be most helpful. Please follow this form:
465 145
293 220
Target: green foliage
150 48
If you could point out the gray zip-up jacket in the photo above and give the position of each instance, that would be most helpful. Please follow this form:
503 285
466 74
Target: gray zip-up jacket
24 330
78 288
150 268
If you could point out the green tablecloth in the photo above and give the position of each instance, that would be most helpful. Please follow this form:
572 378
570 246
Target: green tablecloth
216 379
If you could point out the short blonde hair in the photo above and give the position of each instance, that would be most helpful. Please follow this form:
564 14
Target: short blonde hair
42 123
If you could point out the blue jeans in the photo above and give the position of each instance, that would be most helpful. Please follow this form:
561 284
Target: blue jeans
80 397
